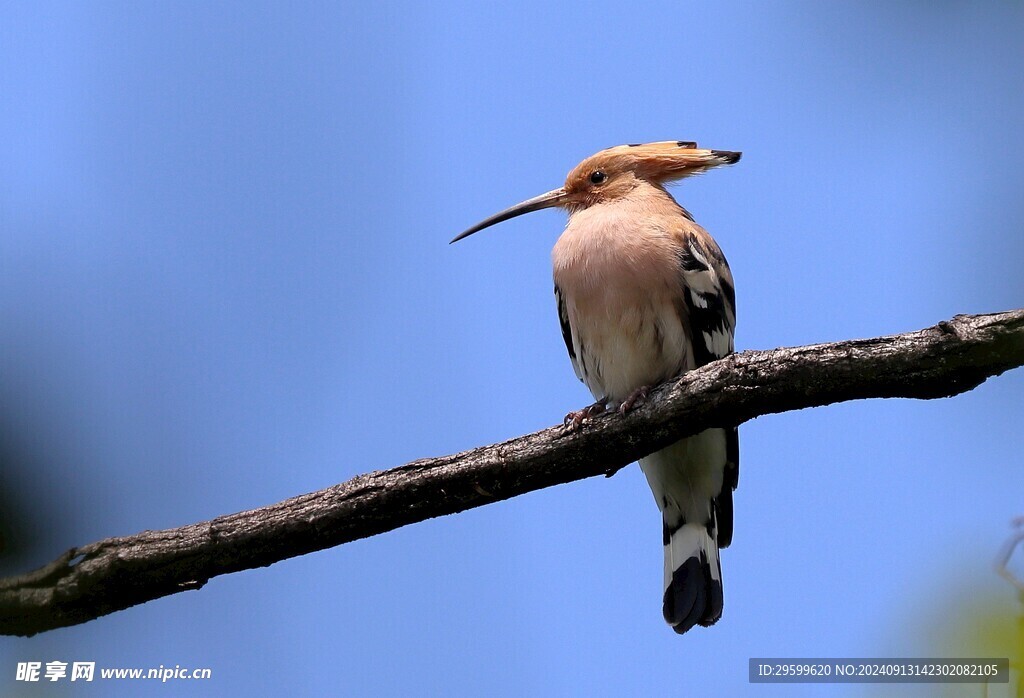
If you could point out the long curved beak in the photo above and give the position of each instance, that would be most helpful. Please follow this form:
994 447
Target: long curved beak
555 197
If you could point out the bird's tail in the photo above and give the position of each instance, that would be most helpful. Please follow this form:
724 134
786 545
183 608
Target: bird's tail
693 577
692 481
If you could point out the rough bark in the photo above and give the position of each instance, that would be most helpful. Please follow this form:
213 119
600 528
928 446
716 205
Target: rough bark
116 573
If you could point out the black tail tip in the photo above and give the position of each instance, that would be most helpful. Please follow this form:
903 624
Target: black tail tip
728 156
694 597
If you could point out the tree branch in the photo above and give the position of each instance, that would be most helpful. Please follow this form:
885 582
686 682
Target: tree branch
116 573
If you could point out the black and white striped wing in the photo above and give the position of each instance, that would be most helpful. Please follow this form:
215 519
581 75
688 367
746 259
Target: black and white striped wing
710 301
709 297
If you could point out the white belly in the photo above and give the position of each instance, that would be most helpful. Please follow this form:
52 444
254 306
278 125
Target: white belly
625 345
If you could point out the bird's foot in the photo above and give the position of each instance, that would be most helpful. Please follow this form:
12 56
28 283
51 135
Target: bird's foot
574 419
640 393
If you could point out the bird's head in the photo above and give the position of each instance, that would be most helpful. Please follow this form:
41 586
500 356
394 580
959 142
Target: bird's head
613 173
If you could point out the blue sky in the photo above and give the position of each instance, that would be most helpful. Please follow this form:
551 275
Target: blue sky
225 280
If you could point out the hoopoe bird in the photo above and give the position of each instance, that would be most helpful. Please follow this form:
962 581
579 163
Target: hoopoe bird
645 294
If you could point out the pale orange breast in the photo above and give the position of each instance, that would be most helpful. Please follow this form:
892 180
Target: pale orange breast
617 267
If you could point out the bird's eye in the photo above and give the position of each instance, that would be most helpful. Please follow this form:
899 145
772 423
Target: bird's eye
598 177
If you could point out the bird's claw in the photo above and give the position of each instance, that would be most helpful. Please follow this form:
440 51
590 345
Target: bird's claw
574 419
640 393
